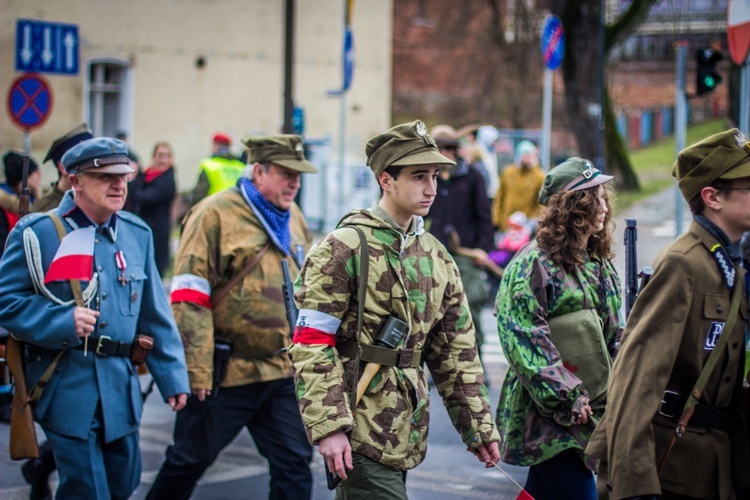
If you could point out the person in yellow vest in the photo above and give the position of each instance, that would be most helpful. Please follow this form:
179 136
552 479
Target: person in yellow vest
218 172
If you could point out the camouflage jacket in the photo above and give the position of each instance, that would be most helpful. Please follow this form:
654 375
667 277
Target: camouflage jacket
412 277
219 237
532 291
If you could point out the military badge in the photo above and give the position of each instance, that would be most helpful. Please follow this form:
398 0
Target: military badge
712 337
421 129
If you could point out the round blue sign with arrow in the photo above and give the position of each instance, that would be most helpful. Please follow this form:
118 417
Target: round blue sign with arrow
553 42
29 101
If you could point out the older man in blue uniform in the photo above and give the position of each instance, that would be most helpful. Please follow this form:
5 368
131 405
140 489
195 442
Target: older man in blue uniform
91 405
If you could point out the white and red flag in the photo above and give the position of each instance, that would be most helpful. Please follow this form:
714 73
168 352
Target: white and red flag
74 259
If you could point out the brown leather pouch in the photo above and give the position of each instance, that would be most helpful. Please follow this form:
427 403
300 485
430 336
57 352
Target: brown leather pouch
141 346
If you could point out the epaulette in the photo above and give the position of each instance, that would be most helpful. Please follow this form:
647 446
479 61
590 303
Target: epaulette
133 219
30 219
685 243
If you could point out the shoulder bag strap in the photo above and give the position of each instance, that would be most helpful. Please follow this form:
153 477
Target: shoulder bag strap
222 292
708 368
75 285
364 269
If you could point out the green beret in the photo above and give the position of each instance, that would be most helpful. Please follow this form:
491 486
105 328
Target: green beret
286 150
725 155
574 174
403 145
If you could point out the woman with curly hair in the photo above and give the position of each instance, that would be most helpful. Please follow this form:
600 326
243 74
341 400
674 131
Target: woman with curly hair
558 320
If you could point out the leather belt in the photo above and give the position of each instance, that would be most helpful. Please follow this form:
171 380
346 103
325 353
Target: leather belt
403 358
723 419
105 346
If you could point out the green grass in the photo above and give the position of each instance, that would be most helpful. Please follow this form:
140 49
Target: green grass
653 164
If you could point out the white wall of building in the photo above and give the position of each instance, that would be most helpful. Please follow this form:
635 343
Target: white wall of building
239 88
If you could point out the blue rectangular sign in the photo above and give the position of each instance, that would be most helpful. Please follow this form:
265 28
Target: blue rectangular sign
46 47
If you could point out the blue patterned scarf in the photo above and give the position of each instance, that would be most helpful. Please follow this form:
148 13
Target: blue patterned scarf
274 220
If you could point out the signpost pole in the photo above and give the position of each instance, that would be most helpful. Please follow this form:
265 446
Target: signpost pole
744 124
553 50
546 121
680 125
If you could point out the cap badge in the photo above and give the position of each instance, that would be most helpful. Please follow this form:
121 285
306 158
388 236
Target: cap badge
421 129
589 172
299 150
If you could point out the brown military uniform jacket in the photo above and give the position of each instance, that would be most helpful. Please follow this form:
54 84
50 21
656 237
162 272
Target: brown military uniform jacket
664 347
50 200
220 236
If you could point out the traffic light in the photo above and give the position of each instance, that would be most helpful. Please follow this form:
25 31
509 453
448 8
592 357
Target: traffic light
707 78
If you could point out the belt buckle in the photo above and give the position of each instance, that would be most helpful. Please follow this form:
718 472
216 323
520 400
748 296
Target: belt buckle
405 357
99 343
672 395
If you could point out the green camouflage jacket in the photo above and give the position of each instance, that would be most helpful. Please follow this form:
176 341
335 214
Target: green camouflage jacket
220 236
412 277
534 290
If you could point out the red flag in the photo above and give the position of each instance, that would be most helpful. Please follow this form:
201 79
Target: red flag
74 259
524 495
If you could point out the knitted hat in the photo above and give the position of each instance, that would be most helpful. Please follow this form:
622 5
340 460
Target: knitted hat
13 161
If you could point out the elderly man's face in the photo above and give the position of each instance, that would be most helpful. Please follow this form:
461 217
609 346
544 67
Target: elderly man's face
100 195
278 185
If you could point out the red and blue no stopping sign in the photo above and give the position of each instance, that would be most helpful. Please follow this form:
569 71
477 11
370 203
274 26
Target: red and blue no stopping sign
29 101
553 42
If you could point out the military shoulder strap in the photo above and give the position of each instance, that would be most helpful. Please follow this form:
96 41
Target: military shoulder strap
218 295
364 269
713 358
75 285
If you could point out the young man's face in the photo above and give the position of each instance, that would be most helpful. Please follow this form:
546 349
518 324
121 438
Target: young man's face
278 186
100 195
735 209
412 193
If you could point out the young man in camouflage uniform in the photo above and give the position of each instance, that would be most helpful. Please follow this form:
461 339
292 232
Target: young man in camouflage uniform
221 236
413 278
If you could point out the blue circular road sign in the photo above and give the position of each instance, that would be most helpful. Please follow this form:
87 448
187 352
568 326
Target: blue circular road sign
553 42
29 101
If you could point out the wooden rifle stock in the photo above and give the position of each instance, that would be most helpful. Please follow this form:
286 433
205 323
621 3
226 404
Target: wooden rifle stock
23 442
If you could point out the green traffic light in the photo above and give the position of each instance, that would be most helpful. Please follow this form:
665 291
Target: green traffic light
709 81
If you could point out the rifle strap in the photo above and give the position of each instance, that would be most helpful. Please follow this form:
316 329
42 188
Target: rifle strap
75 285
364 269
708 368
218 295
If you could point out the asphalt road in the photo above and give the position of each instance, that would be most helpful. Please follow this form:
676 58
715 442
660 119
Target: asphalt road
449 472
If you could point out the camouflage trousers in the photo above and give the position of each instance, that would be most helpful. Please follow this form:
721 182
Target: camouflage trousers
370 480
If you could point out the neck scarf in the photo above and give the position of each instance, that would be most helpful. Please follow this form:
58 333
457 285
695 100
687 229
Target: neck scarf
275 221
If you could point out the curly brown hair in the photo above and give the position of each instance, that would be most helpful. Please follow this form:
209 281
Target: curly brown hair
563 226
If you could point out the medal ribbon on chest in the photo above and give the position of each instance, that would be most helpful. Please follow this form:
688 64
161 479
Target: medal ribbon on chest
122 265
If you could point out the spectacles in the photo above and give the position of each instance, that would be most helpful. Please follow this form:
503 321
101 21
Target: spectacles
746 188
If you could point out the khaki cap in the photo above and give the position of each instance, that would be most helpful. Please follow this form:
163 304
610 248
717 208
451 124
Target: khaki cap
725 155
286 150
404 145
574 174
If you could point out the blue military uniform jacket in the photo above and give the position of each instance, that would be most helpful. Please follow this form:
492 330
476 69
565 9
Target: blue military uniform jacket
135 305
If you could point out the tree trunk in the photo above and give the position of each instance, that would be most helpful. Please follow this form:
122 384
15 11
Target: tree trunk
581 20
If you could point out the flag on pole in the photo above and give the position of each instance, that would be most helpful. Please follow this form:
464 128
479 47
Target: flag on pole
74 259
